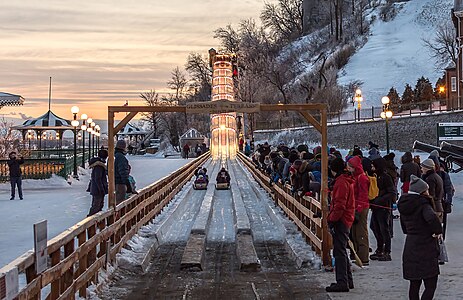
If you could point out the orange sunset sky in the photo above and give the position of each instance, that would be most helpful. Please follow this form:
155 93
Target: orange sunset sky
104 52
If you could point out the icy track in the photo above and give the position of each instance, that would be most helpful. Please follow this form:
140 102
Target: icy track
63 205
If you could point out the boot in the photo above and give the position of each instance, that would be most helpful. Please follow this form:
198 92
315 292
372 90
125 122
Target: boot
337 288
376 255
351 284
386 257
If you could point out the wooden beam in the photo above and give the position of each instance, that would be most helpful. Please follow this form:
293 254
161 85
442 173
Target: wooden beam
111 184
161 108
124 121
326 238
311 120
294 107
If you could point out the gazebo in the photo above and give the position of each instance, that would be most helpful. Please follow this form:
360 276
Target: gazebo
132 134
192 137
46 122
7 99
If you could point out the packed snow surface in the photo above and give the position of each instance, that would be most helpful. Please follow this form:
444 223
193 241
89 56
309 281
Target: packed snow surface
63 205
394 54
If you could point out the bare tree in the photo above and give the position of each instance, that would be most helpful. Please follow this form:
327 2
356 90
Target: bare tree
284 19
229 37
201 76
9 139
444 46
178 83
151 98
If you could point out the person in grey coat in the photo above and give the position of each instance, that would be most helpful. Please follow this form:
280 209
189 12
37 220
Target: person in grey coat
421 251
436 186
121 171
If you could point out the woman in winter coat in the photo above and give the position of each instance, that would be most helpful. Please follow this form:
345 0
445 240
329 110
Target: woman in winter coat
380 217
408 168
436 186
421 250
360 227
98 186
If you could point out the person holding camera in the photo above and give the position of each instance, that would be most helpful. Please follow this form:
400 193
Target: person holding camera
15 174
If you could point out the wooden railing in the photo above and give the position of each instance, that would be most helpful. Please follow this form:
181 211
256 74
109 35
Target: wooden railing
306 214
77 255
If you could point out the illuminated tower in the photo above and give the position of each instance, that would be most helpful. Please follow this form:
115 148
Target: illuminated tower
223 126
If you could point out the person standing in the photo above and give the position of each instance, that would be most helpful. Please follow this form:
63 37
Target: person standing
360 226
121 171
436 185
408 168
380 212
421 251
186 150
340 219
15 174
99 181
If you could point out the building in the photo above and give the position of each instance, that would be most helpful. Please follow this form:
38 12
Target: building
7 99
457 16
451 94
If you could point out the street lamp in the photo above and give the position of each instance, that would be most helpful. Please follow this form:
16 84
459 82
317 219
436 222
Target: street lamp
358 98
89 130
75 123
29 137
97 128
386 114
84 118
92 125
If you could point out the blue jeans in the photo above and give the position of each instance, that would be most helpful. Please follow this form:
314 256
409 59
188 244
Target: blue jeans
16 181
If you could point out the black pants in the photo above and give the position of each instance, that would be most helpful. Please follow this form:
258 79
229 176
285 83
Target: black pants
16 181
380 225
97 205
340 237
430 285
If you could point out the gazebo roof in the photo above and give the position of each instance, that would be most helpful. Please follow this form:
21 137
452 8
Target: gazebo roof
130 129
7 99
192 133
47 121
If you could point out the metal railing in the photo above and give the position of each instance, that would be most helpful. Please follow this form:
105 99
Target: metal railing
352 116
77 255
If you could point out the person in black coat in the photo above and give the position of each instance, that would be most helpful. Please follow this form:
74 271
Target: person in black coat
421 225
408 168
15 174
380 221
121 171
98 187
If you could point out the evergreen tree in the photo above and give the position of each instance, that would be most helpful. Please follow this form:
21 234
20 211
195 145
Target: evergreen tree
408 97
394 97
424 93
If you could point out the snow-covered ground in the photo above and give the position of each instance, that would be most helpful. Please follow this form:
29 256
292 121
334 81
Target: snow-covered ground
61 204
394 54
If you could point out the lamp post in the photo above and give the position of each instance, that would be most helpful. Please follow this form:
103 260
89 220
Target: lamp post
386 114
89 130
29 137
75 123
84 118
97 128
358 98
93 132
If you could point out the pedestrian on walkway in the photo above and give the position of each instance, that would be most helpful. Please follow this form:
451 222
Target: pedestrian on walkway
186 150
98 186
408 168
360 226
340 219
380 212
121 171
15 174
421 251
436 186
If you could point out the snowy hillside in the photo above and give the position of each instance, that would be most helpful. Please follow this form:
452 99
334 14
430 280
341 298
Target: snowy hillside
394 54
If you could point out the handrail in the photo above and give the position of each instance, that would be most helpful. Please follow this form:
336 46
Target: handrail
305 212
72 269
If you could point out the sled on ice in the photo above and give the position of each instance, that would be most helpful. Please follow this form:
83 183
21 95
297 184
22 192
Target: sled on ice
223 180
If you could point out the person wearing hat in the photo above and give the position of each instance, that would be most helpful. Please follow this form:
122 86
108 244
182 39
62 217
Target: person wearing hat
15 174
98 186
121 170
421 226
408 168
340 219
436 185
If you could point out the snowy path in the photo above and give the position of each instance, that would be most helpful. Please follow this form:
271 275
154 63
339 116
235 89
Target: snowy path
61 204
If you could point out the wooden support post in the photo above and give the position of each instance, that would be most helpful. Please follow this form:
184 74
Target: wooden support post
111 184
326 238
55 285
69 274
82 237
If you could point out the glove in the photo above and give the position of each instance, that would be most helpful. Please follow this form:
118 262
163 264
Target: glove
331 227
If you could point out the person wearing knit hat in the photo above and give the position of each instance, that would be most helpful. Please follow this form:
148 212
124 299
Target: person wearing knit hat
417 185
436 185
340 220
408 168
421 225
434 153
121 171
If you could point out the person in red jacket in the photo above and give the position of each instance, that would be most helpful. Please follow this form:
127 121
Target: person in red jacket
360 227
340 219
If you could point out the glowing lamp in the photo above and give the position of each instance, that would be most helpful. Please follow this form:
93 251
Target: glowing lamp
383 115
84 117
388 114
385 100
74 123
75 110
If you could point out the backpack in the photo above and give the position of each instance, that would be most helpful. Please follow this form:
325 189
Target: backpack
373 190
